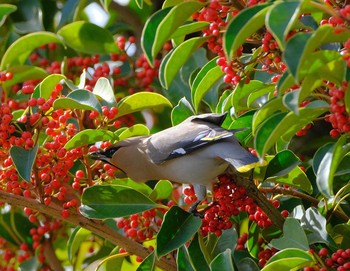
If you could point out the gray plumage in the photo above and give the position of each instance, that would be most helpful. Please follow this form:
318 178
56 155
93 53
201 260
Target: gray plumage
195 151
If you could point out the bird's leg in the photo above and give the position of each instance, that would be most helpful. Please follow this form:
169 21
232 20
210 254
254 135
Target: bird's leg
201 192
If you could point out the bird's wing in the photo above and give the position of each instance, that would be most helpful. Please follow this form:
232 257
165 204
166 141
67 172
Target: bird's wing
184 143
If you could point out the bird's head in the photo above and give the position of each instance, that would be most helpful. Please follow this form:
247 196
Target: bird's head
105 155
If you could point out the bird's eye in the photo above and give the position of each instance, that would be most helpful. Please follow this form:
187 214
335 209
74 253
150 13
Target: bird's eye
109 153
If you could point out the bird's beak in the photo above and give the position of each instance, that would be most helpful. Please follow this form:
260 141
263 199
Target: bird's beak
99 155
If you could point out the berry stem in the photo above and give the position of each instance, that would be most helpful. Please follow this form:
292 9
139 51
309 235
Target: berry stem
95 226
297 194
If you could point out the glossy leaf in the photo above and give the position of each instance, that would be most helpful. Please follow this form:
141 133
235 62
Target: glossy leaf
222 262
285 82
183 260
104 90
162 190
177 228
289 259
227 240
285 125
252 242
148 263
19 50
161 26
268 109
282 163
78 36
79 99
140 187
347 99
280 19
88 136
110 201
5 10
77 237
332 157
327 65
24 160
176 17
141 100
23 73
135 130
291 253
294 178
181 111
149 30
48 85
204 80
302 45
189 28
242 26
239 96
197 254
178 58
293 236
316 225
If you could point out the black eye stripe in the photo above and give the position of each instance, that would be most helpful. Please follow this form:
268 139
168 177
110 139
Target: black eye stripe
109 152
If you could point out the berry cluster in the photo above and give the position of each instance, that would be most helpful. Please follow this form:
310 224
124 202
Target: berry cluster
339 260
141 227
229 199
338 116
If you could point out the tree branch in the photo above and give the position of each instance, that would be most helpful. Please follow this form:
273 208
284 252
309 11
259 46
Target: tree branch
95 226
261 200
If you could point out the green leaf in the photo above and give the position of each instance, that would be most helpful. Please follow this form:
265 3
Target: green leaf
227 240
335 152
197 254
79 99
140 187
135 130
19 50
265 137
347 99
104 90
141 100
266 111
294 52
239 96
260 93
181 111
88 136
189 28
183 260
177 228
78 36
282 163
24 160
75 241
326 65
242 26
285 82
285 125
23 73
48 85
316 225
177 58
31 264
161 26
148 263
289 259
295 178
280 19
162 190
293 236
291 253
301 46
252 242
204 80
110 201
5 10
222 262
149 31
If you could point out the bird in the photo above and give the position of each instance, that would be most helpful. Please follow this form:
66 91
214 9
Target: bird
195 152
